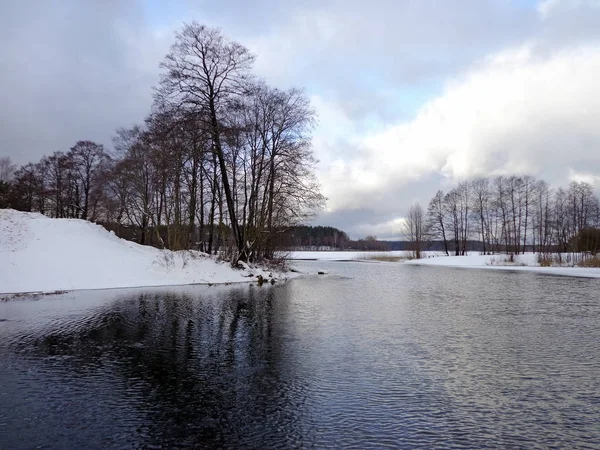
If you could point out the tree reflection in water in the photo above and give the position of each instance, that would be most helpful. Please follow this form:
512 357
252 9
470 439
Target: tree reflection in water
199 370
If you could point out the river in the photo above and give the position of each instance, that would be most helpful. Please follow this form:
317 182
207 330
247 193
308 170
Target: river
371 355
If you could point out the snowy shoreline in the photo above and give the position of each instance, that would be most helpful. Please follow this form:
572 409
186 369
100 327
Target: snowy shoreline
522 263
43 255
39 255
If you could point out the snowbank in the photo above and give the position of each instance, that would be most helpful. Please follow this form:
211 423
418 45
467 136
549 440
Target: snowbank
38 254
476 260
527 262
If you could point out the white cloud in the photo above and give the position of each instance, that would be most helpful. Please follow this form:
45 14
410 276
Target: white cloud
586 177
527 108
547 7
518 111
388 230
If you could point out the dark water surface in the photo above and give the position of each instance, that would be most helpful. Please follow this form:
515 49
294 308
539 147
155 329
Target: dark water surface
370 356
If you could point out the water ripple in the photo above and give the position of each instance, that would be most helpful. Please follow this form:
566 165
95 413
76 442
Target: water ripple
382 356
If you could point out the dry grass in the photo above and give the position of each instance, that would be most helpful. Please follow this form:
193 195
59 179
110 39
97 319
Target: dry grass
505 260
383 257
592 261
388 258
569 260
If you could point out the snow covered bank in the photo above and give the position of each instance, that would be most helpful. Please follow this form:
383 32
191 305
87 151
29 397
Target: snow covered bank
42 254
527 262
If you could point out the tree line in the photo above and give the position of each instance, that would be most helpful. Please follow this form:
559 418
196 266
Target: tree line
306 237
511 214
223 162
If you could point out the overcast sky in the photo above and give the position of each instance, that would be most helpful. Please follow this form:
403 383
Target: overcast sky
412 95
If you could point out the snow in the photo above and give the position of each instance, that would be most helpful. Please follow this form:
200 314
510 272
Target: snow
39 254
476 260
527 262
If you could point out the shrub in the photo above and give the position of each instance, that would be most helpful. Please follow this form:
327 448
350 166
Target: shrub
593 261
587 240
545 260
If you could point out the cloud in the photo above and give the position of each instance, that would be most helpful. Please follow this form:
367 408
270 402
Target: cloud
358 223
412 96
548 7
73 70
514 112
567 22
586 177
357 54
81 69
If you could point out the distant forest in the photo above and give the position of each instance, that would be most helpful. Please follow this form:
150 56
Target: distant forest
329 238
303 237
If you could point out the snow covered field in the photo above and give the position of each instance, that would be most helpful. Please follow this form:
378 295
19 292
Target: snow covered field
527 262
38 254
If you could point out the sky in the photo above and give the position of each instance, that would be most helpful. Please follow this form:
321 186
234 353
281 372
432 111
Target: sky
412 96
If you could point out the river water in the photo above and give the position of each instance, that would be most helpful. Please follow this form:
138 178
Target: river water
368 356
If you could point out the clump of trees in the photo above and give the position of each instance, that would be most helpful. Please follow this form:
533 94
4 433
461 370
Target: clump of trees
369 243
305 237
514 214
61 185
222 163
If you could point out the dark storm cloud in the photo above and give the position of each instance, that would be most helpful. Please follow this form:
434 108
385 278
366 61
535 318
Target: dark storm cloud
80 69
72 70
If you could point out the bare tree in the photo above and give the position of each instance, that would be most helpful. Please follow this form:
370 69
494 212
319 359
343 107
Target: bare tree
89 160
7 169
481 210
414 228
453 212
204 72
436 219
542 205
223 163
464 198
516 213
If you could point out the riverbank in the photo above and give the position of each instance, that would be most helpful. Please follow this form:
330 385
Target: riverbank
39 254
527 262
